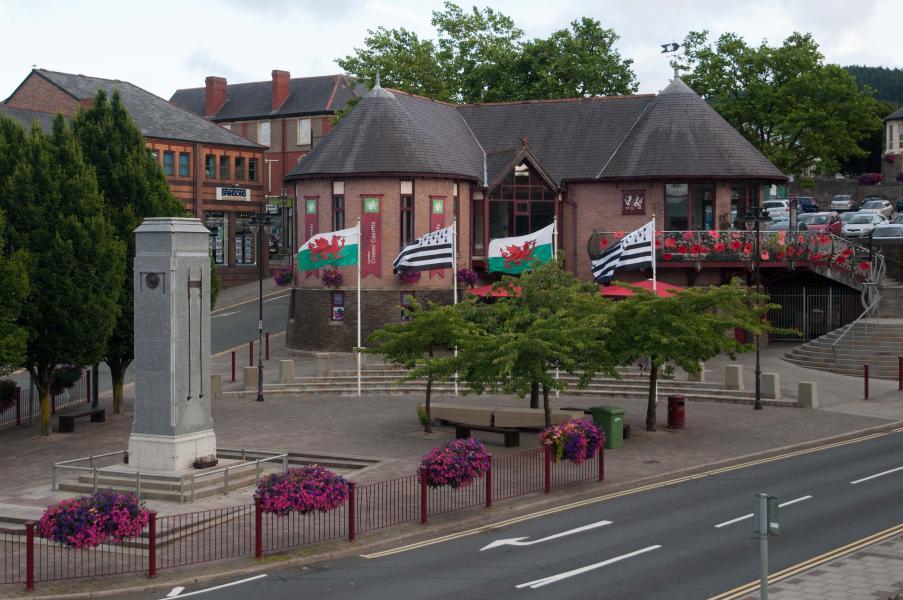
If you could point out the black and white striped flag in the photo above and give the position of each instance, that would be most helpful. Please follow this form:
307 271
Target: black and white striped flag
633 252
431 251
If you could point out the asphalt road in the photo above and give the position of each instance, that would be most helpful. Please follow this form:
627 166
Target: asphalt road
687 540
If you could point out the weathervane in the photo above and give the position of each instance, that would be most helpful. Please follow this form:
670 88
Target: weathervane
668 49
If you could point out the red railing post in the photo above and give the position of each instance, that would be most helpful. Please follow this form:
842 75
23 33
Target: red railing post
352 521
601 462
18 405
423 495
258 529
233 366
152 543
268 345
489 484
29 556
548 468
251 353
865 371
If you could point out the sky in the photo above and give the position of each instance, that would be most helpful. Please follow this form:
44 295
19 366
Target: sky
166 45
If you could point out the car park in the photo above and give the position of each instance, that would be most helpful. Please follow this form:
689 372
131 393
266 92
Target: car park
878 205
862 224
824 222
777 208
888 231
806 204
844 202
784 225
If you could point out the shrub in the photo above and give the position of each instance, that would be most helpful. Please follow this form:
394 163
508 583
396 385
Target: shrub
574 440
409 276
331 278
456 464
303 490
92 520
870 178
283 276
64 378
7 393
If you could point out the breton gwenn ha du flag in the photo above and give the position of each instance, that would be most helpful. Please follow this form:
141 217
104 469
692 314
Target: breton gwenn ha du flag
431 251
633 252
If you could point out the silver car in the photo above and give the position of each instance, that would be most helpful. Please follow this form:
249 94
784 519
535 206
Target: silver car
883 207
862 224
843 202
888 231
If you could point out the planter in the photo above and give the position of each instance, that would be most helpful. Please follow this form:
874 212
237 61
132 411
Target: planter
204 462
89 521
305 489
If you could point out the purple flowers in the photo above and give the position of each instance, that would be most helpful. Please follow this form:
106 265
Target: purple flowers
456 464
467 277
283 276
409 276
870 178
93 520
331 278
304 489
574 440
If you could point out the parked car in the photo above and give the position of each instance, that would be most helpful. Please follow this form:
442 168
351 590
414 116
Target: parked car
898 220
888 231
862 224
844 202
777 208
899 204
846 216
806 204
824 222
878 205
784 225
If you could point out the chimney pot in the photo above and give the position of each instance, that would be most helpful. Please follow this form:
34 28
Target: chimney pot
214 95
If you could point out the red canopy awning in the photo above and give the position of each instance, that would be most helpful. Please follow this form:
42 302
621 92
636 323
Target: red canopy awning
665 290
486 291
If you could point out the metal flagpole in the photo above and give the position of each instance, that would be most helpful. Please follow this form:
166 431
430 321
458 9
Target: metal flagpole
359 242
455 280
652 245
555 258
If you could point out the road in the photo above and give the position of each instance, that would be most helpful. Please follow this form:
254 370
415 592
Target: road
686 540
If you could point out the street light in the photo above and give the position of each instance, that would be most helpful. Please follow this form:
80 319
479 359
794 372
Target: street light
255 222
753 220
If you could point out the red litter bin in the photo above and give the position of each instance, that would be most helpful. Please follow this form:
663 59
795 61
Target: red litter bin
676 411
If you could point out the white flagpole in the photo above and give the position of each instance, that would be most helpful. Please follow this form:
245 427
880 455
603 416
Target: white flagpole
455 280
652 244
360 240
555 258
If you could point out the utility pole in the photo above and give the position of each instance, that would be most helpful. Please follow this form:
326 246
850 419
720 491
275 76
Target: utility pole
766 522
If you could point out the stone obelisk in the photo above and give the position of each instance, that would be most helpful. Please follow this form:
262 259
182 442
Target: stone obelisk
173 424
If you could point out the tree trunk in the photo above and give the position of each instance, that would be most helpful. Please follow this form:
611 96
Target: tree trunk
545 405
46 399
650 407
117 374
534 394
428 426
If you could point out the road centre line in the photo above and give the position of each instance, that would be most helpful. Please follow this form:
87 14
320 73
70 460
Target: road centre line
250 300
538 583
218 587
235 312
749 516
876 475
603 498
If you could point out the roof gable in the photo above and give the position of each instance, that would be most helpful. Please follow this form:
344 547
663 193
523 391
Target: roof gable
897 114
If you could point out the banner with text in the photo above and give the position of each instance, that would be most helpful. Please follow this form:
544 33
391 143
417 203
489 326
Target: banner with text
371 257
311 223
437 222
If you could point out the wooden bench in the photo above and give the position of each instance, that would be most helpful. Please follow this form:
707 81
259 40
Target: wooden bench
512 436
67 422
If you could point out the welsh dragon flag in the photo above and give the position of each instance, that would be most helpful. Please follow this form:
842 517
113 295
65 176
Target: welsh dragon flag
335 248
518 254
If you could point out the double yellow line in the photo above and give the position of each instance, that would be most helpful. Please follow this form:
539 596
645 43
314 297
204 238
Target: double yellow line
799 568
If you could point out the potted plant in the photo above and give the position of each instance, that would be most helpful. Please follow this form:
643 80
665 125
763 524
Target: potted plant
302 490
575 440
88 521
467 277
456 464
205 462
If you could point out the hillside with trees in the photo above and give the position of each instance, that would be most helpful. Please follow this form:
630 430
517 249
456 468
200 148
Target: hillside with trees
887 83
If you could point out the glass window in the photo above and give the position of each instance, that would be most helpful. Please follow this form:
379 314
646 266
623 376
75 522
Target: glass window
407 220
521 204
218 225
169 168
239 167
406 298
263 133
224 167
338 212
900 137
338 306
702 198
210 166
245 245
184 164
303 132
677 207
478 228
252 169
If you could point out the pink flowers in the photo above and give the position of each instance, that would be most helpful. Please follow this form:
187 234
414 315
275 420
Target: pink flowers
93 520
456 464
574 440
304 489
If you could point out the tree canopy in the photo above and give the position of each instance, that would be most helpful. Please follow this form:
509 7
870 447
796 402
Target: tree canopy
482 56
887 83
14 283
797 110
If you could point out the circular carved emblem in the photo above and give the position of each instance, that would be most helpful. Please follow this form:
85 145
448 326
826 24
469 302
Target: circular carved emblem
152 280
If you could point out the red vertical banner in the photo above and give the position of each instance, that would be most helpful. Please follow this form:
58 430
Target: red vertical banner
437 221
371 254
311 223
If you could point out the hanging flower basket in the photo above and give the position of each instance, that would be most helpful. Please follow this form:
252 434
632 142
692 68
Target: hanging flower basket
283 276
302 490
89 521
871 179
409 276
331 278
467 277
456 464
575 441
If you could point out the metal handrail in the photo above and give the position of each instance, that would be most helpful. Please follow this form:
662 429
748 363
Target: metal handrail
866 312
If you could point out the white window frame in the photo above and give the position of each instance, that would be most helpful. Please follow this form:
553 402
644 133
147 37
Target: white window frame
263 139
304 140
227 126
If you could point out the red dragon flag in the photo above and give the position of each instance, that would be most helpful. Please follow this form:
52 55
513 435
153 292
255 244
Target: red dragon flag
336 248
518 254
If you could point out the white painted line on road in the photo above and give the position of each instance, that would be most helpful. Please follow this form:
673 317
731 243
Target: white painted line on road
218 587
275 298
538 583
749 516
175 592
225 314
882 474
519 541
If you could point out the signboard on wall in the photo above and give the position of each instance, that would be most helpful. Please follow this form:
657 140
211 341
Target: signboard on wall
633 202
370 237
233 193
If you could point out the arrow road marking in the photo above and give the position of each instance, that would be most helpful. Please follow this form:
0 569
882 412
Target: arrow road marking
882 474
538 583
519 541
175 592
214 588
749 516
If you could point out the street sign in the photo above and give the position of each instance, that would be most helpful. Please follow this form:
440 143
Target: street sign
766 515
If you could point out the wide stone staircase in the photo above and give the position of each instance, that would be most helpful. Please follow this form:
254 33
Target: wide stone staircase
876 342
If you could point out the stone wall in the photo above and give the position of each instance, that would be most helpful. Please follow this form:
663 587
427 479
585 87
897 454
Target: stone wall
826 188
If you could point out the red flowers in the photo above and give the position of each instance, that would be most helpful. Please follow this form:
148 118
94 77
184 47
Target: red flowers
864 266
747 248
688 235
736 245
619 235
670 242
682 249
719 248
667 256
303 489
603 243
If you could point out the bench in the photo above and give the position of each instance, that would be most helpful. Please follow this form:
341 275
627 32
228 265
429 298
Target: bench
532 418
67 422
512 436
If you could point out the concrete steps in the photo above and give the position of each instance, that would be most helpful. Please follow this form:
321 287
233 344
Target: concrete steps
876 342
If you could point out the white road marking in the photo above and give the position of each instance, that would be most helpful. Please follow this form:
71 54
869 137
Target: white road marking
218 587
882 474
519 541
537 583
749 516
175 592
235 312
275 298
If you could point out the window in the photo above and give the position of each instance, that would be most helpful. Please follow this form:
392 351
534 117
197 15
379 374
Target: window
521 204
478 228
169 168
407 220
245 239
338 306
303 132
209 166
677 207
338 213
184 164
252 169
900 137
224 167
218 225
263 133
406 298
239 167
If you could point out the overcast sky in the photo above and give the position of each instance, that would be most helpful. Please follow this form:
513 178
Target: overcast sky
166 45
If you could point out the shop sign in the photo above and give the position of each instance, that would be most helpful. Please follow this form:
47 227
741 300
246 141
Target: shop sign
233 193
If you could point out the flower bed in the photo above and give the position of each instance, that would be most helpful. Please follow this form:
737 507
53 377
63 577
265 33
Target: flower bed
456 464
574 440
303 489
88 521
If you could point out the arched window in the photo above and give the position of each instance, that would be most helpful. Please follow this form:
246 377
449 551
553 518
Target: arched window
522 203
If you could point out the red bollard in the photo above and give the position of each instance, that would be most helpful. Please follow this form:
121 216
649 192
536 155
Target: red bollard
29 556
251 353
548 470
489 484
268 345
233 366
152 543
352 521
258 529
601 462
423 510
865 369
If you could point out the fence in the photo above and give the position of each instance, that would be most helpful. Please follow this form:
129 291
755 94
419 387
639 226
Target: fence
26 406
812 311
229 533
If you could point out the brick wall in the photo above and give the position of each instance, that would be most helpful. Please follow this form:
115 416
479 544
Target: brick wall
36 93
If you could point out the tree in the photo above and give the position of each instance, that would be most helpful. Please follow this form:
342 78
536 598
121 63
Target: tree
798 111
887 83
873 145
422 344
14 283
75 263
133 189
684 330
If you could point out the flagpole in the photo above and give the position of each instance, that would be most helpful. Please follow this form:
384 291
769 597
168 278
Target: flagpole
555 258
455 281
652 244
359 242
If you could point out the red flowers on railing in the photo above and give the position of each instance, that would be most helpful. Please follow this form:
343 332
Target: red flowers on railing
88 521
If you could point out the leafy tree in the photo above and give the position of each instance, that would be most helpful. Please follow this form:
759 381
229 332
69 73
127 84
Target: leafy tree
14 283
798 111
75 262
873 145
887 83
133 188
684 330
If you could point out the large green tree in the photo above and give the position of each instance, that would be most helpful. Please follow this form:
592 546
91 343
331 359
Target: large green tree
133 188
14 283
75 262
797 110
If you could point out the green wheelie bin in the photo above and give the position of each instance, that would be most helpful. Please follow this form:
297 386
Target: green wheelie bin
610 420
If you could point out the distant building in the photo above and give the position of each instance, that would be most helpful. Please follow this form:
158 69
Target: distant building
892 166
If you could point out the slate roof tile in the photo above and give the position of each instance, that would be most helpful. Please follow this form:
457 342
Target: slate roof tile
27 117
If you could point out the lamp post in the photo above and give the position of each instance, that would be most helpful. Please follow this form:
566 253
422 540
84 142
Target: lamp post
258 223
753 220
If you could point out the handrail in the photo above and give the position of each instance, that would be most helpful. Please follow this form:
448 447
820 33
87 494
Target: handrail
850 327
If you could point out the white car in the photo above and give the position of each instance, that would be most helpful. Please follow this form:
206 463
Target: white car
863 224
777 209
878 206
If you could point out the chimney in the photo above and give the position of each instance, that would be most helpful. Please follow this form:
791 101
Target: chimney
214 95
280 87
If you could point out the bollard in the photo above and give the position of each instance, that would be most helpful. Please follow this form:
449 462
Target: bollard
152 543
733 377
286 371
423 495
250 377
267 345
258 529
233 366
601 462
352 524
865 372
251 353
29 556
547 479
489 484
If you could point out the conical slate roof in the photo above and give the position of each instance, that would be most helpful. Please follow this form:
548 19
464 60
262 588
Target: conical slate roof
679 135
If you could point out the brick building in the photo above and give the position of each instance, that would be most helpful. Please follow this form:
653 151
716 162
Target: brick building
216 174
